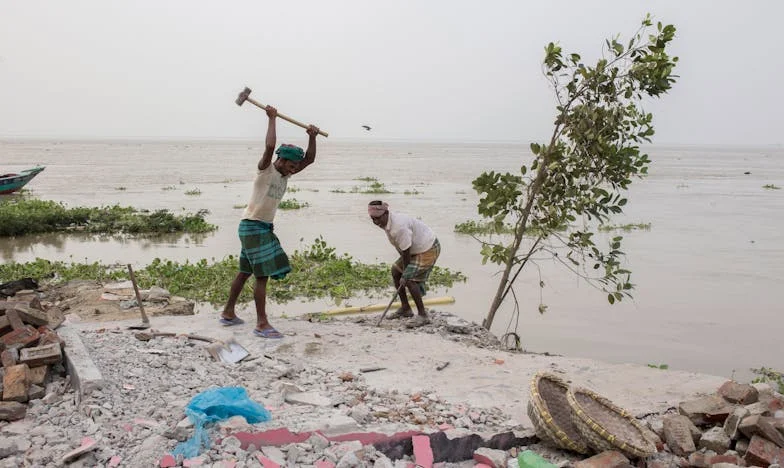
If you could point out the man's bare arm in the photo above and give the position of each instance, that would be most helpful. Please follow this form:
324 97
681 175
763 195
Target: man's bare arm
310 153
269 145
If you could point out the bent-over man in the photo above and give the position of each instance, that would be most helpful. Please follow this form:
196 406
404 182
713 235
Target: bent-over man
418 248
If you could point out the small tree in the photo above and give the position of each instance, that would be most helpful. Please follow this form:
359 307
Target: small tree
578 177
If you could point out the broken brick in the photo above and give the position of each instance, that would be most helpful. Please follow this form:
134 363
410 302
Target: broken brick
763 426
14 319
706 410
31 316
88 444
735 392
167 461
763 452
423 454
21 338
608 459
677 434
4 323
49 336
41 355
38 374
16 382
12 410
35 392
9 357
732 459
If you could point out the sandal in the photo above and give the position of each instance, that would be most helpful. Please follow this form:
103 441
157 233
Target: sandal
268 333
229 322
400 313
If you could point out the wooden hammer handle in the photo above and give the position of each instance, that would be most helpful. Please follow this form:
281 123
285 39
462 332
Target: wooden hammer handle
286 118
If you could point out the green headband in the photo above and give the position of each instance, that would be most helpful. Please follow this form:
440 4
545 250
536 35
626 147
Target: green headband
290 152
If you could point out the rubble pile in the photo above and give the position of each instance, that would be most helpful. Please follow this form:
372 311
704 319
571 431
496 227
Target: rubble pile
740 425
138 417
31 351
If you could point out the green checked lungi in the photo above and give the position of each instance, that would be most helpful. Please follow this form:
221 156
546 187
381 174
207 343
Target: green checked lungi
420 267
261 253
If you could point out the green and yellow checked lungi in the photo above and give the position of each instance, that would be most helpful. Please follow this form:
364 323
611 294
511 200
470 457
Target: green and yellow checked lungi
261 253
421 265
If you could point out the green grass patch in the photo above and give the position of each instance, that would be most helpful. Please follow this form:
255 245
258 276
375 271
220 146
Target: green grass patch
318 273
773 377
193 192
21 217
659 366
412 192
292 204
771 187
625 227
478 228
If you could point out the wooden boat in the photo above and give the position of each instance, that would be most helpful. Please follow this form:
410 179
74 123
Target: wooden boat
10 183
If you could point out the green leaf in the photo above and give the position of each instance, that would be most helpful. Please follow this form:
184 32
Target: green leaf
611 299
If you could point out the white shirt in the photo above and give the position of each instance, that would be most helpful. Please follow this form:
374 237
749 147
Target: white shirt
406 232
268 189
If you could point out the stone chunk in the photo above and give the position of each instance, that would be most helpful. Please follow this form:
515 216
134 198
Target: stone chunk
609 459
55 317
41 355
16 382
733 421
12 410
715 439
763 426
734 392
49 336
763 452
308 398
706 410
678 436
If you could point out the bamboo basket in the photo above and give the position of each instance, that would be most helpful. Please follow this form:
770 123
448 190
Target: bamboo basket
551 415
605 426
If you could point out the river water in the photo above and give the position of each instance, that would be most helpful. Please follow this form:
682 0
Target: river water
709 272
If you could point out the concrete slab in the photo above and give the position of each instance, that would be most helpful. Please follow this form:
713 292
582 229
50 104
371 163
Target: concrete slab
84 373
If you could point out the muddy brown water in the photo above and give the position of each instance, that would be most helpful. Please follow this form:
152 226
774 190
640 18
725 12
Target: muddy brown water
708 272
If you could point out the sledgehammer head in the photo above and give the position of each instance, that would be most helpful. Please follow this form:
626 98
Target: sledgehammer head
243 96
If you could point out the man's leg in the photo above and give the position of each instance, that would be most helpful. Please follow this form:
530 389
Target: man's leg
234 293
416 294
260 298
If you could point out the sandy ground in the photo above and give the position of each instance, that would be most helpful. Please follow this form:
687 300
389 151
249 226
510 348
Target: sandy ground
480 377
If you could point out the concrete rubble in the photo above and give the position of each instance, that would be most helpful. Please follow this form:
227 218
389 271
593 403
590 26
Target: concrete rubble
320 417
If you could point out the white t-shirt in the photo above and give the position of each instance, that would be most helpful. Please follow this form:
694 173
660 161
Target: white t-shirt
268 190
404 231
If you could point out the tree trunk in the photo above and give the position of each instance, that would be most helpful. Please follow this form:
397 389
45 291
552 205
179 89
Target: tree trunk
499 295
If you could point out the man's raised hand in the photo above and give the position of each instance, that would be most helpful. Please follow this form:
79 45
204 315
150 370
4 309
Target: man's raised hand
271 112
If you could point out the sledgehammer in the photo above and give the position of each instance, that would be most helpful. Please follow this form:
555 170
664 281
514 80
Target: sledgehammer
245 96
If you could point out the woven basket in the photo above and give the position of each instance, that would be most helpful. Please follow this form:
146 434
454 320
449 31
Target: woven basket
605 426
551 415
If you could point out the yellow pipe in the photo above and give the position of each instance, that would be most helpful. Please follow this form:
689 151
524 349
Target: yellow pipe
377 307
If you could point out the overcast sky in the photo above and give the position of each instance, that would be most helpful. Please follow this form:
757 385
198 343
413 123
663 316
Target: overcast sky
440 70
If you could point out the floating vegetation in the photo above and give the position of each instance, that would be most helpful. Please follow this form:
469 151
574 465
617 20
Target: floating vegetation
478 228
625 227
374 187
367 179
318 273
240 207
771 187
23 217
292 204
292 189
122 189
193 192
169 187
412 192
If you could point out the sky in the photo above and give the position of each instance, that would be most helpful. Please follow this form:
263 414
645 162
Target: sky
412 70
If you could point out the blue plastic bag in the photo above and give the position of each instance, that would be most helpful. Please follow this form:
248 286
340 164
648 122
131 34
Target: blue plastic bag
216 405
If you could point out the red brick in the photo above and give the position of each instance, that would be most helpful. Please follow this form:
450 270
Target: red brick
16 382
734 459
677 434
41 355
763 452
609 459
31 316
24 337
423 454
38 374
167 461
735 392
